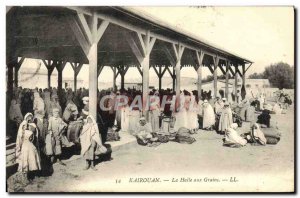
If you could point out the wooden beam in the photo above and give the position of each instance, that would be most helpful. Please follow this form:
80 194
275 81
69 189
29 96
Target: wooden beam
210 69
222 69
151 44
157 73
175 50
169 55
142 43
171 74
79 34
231 70
238 71
125 70
139 69
133 45
128 26
164 71
102 29
200 56
99 70
85 27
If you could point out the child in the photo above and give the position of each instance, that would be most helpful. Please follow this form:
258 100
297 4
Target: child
91 144
54 137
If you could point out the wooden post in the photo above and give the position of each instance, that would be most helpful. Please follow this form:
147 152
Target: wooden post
216 62
235 83
143 56
88 34
49 78
244 74
10 76
93 71
60 65
76 68
50 65
159 78
17 68
174 78
178 51
122 80
227 80
200 56
114 78
199 81
145 69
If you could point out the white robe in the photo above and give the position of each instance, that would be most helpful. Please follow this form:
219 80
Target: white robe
234 137
90 132
134 117
192 115
209 118
125 119
29 159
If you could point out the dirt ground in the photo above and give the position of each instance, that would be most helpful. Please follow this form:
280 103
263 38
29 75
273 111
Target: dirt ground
202 166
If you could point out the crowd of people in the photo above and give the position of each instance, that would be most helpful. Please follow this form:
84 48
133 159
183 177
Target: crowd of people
44 122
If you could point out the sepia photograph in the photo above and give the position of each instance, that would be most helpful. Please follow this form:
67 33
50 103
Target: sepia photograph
157 99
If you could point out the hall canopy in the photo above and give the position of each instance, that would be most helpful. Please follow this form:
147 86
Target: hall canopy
118 37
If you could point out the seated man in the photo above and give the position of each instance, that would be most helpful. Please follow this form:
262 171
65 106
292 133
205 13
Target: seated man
144 132
264 118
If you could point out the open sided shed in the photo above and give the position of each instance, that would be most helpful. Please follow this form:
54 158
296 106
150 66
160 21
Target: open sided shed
117 37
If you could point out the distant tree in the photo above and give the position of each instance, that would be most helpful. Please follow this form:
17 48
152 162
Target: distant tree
256 76
280 75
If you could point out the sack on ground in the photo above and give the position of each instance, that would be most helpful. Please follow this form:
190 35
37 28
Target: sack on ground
113 134
183 136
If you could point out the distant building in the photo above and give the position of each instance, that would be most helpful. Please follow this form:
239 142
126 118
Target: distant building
31 79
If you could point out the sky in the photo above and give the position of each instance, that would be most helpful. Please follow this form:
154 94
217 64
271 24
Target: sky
264 35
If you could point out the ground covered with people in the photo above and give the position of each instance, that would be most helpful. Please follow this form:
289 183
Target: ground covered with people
205 158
